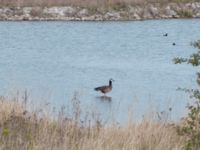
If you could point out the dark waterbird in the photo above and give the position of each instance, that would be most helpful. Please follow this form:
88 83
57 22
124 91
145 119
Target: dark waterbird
166 34
106 88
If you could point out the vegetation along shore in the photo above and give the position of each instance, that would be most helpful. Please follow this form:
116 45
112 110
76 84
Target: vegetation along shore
22 129
96 10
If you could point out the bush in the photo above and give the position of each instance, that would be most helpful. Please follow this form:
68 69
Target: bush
185 13
191 126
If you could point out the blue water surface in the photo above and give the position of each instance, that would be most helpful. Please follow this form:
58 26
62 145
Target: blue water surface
55 60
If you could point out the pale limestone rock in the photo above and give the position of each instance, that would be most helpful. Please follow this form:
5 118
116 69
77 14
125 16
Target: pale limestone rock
93 17
136 16
27 10
112 15
131 10
153 10
58 11
169 12
69 11
139 11
83 12
197 15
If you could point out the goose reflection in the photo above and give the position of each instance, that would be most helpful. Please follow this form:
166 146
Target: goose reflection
104 98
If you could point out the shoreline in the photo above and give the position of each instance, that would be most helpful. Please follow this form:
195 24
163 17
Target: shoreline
120 13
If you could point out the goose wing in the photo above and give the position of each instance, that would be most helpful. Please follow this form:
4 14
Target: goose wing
100 88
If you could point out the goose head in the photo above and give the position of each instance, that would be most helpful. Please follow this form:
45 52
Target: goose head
110 82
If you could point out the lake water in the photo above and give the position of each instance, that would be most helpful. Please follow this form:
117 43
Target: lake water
53 60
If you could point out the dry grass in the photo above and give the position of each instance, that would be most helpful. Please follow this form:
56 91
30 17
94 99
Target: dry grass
21 129
84 3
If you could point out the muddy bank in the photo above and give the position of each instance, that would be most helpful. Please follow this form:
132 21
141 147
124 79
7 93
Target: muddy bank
149 11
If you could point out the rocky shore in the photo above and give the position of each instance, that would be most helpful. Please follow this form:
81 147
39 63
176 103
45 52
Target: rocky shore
138 12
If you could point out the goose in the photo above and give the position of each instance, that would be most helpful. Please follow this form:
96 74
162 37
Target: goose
106 88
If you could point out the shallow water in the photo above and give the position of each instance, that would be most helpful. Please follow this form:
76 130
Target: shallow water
53 60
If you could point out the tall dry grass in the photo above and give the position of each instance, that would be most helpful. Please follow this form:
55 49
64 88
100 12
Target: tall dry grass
23 129
84 3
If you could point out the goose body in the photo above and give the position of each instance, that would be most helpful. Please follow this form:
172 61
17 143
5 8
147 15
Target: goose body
106 88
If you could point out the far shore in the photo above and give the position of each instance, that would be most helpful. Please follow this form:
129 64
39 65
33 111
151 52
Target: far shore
114 13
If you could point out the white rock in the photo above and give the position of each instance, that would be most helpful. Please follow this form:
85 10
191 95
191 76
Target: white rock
58 11
197 15
169 12
70 10
136 16
112 15
27 10
153 10
83 12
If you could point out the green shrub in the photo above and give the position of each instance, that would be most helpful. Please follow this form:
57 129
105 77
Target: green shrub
191 126
5 132
185 13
